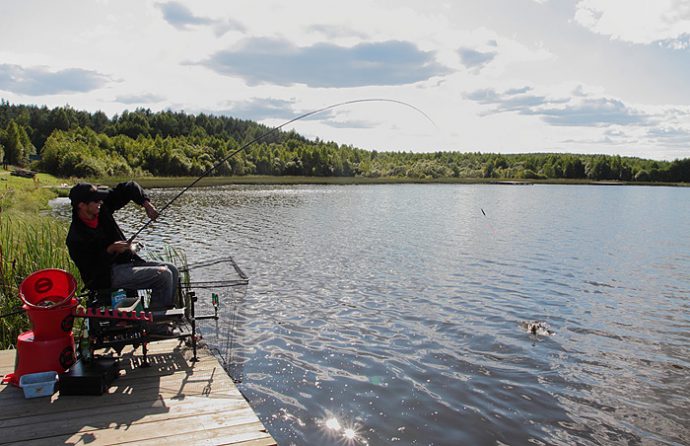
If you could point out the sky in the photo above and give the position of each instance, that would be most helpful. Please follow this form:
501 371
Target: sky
502 76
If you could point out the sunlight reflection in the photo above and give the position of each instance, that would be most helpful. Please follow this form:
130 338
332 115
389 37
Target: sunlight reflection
333 424
347 432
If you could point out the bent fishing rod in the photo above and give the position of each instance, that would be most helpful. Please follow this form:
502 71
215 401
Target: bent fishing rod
269 133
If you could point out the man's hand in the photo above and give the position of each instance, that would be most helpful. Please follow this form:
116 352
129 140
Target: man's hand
150 210
118 247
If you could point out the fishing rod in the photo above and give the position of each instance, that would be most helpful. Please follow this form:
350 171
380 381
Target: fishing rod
17 310
271 132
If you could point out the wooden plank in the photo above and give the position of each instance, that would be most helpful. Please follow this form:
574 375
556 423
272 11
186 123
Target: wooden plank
174 402
153 373
120 393
206 378
267 441
15 404
160 352
249 434
115 417
137 432
160 363
55 411
7 362
162 431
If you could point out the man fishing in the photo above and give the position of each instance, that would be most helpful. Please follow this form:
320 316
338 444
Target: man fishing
102 253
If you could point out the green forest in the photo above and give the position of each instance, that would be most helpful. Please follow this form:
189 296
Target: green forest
71 143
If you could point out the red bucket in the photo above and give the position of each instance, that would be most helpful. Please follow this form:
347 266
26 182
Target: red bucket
35 356
48 297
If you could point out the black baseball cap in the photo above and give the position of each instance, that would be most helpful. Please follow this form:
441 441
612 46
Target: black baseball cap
87 192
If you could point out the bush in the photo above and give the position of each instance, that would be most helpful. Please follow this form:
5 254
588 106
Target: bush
529 174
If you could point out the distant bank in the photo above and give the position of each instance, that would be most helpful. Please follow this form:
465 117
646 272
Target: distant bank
150 181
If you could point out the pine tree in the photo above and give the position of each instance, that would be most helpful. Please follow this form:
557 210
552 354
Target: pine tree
17 145
14 150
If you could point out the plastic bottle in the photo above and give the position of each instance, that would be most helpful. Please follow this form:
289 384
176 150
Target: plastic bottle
85 344
117 297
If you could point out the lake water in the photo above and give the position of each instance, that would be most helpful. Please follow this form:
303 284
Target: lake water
390 314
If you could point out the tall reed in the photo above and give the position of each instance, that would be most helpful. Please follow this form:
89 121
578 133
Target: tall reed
177 257
28 242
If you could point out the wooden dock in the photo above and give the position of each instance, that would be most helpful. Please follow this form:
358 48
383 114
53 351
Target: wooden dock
173 402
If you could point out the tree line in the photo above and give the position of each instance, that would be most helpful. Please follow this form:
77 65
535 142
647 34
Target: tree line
66 142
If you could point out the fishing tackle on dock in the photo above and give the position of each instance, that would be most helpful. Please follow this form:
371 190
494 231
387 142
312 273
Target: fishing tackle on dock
269 133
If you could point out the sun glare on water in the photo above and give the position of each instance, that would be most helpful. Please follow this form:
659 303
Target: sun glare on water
347 433
333 424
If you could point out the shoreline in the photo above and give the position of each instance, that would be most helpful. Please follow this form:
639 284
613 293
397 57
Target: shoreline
169 182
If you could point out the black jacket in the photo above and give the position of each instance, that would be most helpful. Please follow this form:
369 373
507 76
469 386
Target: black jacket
87 246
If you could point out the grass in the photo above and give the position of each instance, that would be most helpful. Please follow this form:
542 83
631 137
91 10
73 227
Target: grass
25 194
28 243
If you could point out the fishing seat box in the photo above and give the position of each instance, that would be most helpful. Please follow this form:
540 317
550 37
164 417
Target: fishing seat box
89 378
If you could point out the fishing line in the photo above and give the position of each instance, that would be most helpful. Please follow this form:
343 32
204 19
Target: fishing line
271 132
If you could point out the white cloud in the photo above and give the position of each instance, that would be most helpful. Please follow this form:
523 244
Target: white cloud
474 59
325 64
181 17
638 21
40 80
574 109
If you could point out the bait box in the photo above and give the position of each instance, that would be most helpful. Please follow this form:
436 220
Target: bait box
36 385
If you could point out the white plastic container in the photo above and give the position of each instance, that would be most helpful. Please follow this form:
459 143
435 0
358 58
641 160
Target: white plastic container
36 385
